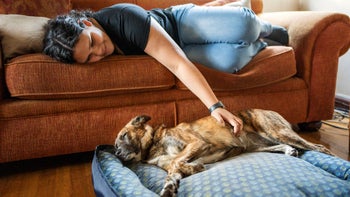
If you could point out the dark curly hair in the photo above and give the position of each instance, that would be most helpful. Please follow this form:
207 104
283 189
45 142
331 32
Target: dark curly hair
62 33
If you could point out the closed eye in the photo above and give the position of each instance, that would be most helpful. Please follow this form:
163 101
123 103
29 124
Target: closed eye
88 59
91 45
123 136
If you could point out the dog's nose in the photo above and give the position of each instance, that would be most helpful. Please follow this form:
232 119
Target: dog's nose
118 151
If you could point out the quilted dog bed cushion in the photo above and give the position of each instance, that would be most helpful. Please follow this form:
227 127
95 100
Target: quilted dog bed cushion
249 174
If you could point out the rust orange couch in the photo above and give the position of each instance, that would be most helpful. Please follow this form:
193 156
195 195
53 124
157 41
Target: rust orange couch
48 108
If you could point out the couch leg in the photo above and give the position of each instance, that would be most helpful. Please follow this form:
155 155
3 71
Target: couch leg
310 126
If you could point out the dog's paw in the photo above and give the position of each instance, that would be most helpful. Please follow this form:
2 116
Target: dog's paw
169 190
171 184
167 193
291 151
191 168
199 167
323 149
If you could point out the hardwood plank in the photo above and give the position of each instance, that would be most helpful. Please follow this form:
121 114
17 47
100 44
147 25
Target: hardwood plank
337 140
68 175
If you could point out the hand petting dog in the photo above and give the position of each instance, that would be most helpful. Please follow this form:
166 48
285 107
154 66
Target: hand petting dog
223 116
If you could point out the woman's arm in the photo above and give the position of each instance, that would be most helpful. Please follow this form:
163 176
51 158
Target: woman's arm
165 50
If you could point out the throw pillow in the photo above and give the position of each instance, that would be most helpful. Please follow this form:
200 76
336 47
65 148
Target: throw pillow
243 3
21 34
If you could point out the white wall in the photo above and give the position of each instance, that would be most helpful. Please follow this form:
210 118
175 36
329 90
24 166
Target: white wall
326 5
343 6
280 5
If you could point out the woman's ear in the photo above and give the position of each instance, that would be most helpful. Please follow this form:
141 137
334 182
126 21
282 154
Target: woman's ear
87 23
84 23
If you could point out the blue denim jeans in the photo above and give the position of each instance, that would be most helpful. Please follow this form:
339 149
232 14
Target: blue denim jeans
223 38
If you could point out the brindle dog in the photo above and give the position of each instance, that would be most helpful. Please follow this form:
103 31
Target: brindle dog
182 150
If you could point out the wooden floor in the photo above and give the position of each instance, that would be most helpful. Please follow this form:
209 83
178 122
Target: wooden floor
337 140
71 175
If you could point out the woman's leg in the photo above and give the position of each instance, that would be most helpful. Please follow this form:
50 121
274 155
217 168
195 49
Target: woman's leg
224 57
279 36
224 38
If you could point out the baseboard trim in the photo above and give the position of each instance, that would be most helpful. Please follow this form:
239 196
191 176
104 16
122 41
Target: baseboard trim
342 104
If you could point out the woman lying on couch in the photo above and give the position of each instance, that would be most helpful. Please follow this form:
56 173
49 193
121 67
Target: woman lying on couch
222 38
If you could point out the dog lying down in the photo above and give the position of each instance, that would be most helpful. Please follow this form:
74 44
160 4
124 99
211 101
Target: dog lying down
183 150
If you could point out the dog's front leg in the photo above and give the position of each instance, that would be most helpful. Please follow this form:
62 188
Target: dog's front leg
171 184
179 166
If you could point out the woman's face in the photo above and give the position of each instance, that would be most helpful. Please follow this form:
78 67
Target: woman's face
93 45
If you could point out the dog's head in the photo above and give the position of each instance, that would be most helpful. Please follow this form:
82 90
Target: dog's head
134 139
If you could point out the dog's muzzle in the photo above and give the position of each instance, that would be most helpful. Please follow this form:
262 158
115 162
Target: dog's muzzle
125 153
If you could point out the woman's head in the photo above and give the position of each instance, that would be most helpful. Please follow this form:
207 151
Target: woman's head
73 38
61 35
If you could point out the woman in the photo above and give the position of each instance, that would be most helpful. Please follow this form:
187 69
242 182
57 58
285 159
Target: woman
223 38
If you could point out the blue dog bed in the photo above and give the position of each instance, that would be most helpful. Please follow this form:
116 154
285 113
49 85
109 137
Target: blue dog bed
249 174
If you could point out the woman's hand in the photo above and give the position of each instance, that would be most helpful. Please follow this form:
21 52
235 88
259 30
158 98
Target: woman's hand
222 115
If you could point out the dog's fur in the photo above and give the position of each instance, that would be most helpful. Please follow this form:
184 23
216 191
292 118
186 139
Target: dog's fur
183 150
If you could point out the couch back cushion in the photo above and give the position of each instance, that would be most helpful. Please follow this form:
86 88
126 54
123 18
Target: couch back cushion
46 8
149 4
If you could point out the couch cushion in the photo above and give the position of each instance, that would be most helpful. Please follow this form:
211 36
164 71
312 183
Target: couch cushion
40 77
37 76
271 65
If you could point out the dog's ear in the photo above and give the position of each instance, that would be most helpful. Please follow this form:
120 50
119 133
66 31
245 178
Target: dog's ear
140 120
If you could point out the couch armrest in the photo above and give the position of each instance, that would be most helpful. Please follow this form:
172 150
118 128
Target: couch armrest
318 40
